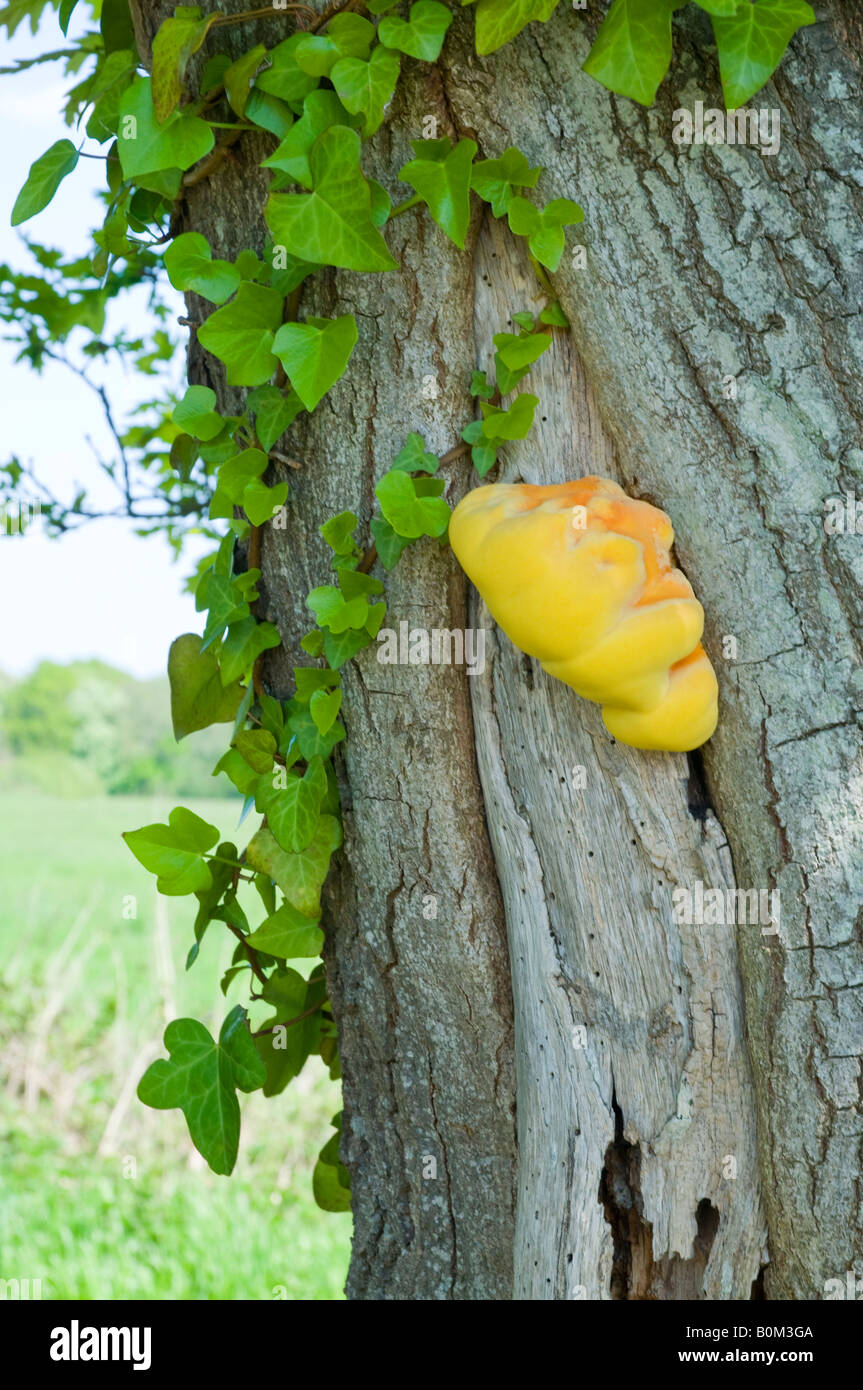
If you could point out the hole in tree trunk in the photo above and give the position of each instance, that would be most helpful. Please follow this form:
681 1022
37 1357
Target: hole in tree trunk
635 1275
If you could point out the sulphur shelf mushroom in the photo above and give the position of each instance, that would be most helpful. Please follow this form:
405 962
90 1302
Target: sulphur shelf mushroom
580 576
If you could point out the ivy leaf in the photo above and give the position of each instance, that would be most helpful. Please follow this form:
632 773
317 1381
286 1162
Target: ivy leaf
543 227
409 513
495 180
241 334
285 1054
632 50
389 545
144 146
513 423
498 21
196 413
338 532
348 36
274 412
720 7
333 611
235 767
340 647
175 41
366 88
413 457
554 316
285 78
320 111
300 876
305 735
293 811
202 1078
257 747
422 34
751 43
260 502
315 354
288 935
239 76
174 852
328 1190
198 697
243 645
324 707
269 113
238 471
45 176
331 225
190 266
515 354
441 176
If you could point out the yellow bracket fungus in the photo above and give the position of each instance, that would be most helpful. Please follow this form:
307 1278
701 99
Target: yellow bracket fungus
580 576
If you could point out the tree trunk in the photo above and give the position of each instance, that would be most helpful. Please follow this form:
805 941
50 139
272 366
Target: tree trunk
505 861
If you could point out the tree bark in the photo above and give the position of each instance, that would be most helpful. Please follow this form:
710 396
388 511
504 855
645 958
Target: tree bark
505 861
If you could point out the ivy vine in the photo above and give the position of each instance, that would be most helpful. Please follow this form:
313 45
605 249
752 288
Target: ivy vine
319 94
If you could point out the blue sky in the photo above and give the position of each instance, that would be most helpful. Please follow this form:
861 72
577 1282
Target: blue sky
102 592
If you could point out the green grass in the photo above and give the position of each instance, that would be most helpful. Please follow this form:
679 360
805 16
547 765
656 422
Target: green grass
99 1196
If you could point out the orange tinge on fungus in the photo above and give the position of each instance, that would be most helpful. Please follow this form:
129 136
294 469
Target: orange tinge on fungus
580 576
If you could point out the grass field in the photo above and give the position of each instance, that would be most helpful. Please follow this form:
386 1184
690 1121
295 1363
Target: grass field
99 1196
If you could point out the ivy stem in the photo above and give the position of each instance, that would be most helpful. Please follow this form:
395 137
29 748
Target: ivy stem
250 952
404 207
269 12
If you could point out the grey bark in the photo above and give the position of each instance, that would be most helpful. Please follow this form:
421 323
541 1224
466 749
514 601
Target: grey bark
701 264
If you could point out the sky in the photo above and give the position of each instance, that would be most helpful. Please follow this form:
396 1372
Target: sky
101 592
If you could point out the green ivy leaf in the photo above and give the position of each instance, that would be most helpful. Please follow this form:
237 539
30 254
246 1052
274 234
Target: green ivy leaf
305 735
441 176
422 34
409 512
751 43
269 113
238 78
202 1078
315 354
144 146
543 227
45 176
338 532
332 225
720 7
513 423
414 458
243 645
288 935
324 707
274 412
333 611
498 21
554 316
340 647
260 503
366 88
257 747
285 78
174 852
632 50
300 876
190 266
175 41
515 354
198 697
196 413
241 334
348 36
292 810
237 769
495 180
321 110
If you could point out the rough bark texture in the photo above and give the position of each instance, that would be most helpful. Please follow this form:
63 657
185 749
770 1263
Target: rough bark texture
702 264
